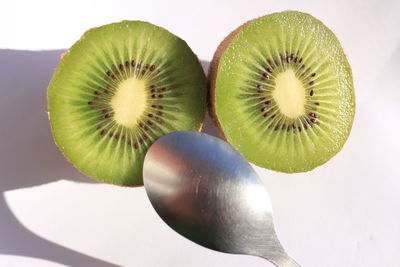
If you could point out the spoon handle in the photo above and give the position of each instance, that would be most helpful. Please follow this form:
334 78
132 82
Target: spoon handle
285 261
280 258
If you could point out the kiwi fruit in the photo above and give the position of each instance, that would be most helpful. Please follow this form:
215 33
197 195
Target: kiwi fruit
117 90
281 92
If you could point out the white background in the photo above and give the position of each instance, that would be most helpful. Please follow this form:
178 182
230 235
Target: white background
344 213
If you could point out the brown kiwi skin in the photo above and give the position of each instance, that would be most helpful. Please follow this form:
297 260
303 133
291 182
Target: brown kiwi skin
212 75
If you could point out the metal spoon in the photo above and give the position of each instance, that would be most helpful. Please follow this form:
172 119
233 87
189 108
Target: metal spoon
206 191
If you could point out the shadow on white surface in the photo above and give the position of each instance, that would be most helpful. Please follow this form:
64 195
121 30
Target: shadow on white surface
28 155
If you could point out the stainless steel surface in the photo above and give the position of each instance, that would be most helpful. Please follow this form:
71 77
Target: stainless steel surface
206 191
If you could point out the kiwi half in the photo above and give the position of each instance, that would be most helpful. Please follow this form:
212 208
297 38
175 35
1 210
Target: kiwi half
281 92
117 90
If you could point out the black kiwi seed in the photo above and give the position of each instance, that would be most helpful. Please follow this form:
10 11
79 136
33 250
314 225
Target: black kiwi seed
311 92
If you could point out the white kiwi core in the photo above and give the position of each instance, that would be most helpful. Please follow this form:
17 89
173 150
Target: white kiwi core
289 94
129 101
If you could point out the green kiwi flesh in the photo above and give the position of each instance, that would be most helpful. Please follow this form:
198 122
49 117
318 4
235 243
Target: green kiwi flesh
117 90
281 92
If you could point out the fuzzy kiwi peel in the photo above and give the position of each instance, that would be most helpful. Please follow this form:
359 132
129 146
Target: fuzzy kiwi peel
117 90
281 92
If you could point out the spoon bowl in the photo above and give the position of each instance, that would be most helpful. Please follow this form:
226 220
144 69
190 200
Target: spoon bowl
206 191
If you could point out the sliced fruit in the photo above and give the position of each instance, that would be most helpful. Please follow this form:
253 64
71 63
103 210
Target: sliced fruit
282 92
117 90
